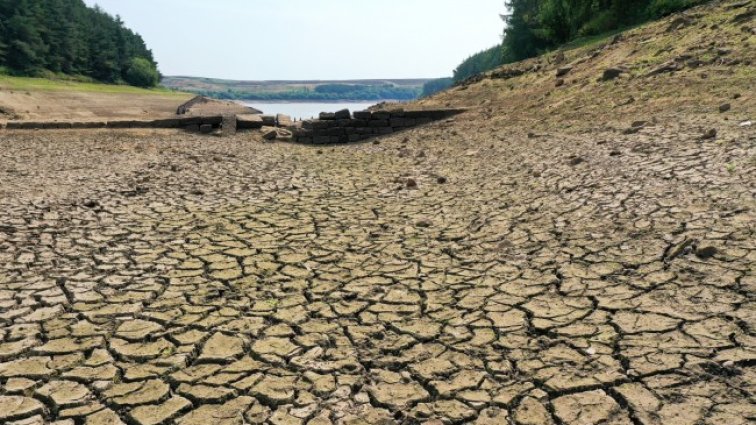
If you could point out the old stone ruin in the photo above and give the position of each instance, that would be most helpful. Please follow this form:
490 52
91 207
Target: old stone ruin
342 127
208 116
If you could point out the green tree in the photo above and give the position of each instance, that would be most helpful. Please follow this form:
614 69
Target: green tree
434 86
479 62
25 49
535 26
141 73
66 36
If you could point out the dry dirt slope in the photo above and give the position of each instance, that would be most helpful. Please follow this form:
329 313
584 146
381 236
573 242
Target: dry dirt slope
525 263
689 63
47 100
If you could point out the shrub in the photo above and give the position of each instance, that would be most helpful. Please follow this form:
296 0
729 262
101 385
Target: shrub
141 73
603 21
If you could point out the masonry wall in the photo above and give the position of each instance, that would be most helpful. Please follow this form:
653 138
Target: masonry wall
184 122
341 127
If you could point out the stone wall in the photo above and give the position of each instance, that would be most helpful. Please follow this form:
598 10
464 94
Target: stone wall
189 123
343 127
338 127
193 123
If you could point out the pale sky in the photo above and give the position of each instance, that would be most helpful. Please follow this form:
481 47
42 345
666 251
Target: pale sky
311 39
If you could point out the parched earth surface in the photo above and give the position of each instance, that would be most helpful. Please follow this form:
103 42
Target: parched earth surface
537 260
492 278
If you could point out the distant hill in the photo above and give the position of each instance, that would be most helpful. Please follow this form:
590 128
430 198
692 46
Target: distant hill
47 38
305 90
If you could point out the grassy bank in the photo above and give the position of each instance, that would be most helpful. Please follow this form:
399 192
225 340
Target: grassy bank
43 84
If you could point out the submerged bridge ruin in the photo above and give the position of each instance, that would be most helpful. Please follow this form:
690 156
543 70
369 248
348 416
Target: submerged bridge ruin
329 128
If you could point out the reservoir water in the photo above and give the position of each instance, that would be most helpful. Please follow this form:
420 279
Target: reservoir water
307 110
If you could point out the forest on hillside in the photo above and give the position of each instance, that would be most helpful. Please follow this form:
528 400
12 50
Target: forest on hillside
533 27
52 37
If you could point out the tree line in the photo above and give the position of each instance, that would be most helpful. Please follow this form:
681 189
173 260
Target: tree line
48 37
534 27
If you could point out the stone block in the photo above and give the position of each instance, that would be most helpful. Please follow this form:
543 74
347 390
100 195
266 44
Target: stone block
397 122
385 130
327 116
269 120
228 126
120 124
284 120
362 115
378 123
186 121
88 124
336 131
342 114
215 120
166 123
206 128
142 124
249 121
211 119
380 115
321 140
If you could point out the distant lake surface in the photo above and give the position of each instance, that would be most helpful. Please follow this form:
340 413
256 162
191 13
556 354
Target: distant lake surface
307 110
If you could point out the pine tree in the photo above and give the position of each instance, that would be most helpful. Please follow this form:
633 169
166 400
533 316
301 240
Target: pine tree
66 36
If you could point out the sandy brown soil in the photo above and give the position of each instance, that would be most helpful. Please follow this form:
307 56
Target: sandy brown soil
87 106
543 269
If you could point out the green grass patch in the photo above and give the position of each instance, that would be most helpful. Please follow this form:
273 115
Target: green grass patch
44 84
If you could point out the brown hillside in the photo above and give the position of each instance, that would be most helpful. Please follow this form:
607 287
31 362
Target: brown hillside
689 63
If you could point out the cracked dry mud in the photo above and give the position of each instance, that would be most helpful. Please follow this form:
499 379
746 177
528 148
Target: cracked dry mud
530 262
159 278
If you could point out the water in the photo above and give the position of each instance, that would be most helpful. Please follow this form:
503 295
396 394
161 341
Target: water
306 110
